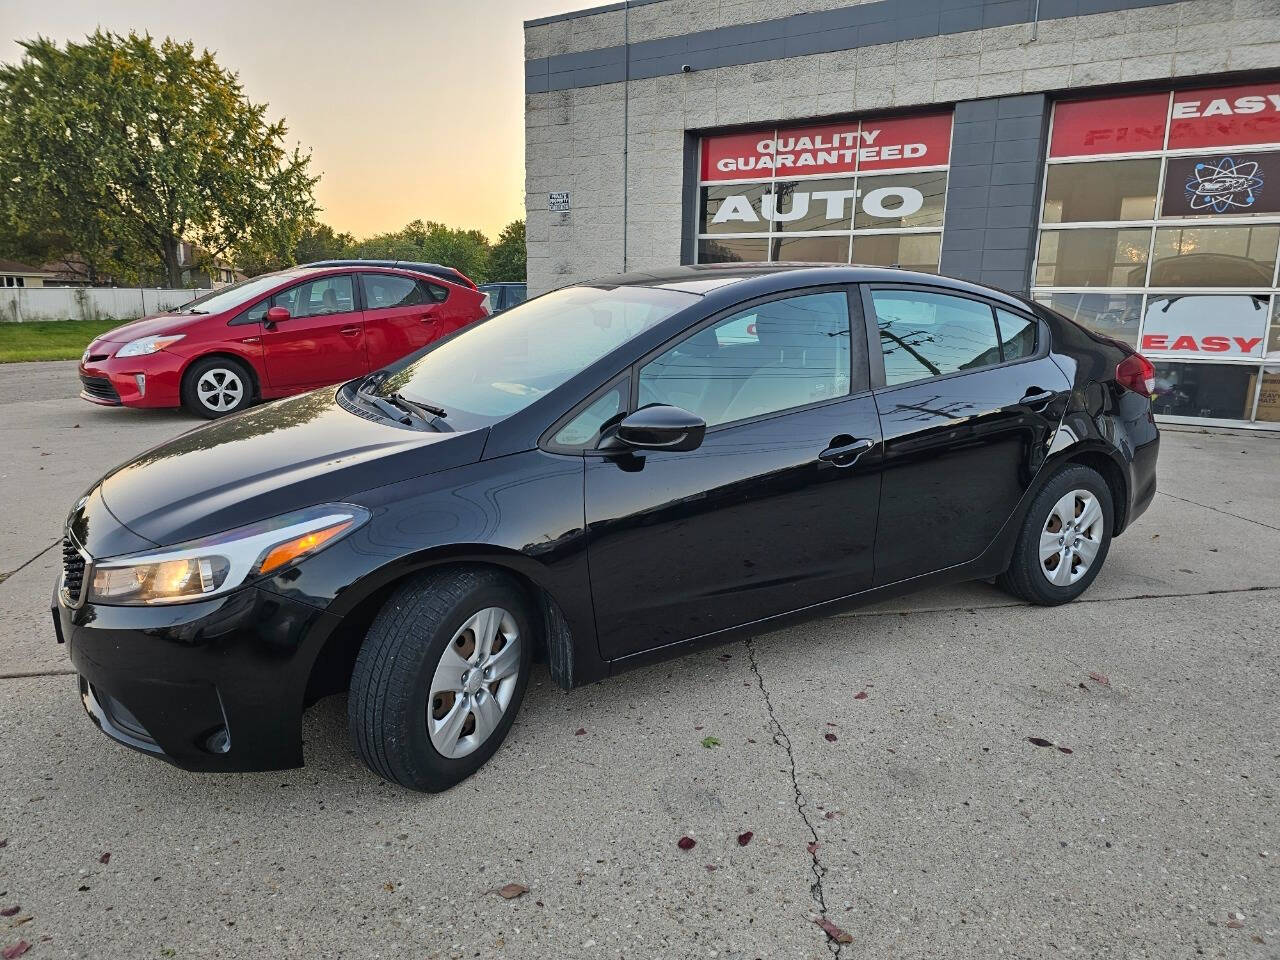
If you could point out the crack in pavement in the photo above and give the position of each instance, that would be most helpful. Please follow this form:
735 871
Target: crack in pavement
28 674
1015 604
781 739
1225 513
26 563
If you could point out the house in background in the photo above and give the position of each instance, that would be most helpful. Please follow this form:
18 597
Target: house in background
14 274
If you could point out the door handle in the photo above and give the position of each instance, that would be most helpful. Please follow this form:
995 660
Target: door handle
349 331
846 452
1037 399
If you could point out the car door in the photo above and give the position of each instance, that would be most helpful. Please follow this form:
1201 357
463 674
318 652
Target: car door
401 314
969 401
776 510
322 341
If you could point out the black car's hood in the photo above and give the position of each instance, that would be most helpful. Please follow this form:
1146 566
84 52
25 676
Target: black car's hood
268 461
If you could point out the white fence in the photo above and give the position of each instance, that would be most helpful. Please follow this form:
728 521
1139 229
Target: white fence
25 304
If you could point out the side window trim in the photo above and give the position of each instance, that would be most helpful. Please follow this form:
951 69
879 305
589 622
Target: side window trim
859 381
878 380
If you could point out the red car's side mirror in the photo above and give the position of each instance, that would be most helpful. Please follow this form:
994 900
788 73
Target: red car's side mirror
276 314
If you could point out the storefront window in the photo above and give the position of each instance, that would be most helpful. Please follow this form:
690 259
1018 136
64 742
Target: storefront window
911 251
733 208
1096 257
796 205
1269 395
833 249
1110 190
1230 256
810 191
733 250
917 199
1116 315
1215 391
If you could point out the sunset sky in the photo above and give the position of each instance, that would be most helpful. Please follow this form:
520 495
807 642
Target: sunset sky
411 109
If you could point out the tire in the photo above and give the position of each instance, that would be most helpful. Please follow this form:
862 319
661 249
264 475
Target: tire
216 386
421 634
1080 553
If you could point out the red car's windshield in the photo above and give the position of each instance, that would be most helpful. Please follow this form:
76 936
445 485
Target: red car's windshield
238 294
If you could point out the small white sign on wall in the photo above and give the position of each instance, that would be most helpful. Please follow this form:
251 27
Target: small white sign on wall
558 202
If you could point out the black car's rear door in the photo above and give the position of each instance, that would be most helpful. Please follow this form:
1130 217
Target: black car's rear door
775 511
969 401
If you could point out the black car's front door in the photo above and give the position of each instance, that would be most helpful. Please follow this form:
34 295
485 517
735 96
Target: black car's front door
772 512
969 401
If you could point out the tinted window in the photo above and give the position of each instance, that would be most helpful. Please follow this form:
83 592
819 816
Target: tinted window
584 429
433 291
1017 335
1094 257
317 298
1111 314
383 290
778 355
1215 256
517 294
492 369
733 250
931 334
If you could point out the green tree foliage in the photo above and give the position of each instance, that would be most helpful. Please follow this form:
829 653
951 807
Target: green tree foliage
318 241
127 147
467 250
507 257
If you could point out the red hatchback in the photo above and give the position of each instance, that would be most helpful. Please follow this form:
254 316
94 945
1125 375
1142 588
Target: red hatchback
274 335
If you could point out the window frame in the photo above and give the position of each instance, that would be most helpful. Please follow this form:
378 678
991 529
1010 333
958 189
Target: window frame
547 440
876 352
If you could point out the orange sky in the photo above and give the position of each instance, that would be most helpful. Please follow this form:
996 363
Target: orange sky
411 109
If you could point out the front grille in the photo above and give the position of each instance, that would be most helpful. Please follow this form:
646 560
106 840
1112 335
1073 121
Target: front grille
99 388
73 573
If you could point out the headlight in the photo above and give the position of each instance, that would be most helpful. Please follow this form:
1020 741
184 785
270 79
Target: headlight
214 565
146 345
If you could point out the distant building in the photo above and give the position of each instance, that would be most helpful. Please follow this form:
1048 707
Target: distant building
14 274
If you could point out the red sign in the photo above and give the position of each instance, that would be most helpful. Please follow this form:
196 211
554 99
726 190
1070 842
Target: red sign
898 144
1113 125
1226 116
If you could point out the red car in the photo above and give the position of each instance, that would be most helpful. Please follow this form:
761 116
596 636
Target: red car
274 335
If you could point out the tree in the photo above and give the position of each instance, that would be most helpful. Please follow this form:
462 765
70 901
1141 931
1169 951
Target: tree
507 257
123 146
318 241
466 250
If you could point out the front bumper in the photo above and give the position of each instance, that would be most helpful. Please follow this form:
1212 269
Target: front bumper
213 685
154 380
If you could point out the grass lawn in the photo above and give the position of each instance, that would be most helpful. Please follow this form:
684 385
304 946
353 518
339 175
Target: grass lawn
50 339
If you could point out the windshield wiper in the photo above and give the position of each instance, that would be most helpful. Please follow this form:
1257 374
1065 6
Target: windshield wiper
396 407
400 398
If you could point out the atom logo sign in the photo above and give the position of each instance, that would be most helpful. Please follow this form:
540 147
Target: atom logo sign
1221 184
1224 186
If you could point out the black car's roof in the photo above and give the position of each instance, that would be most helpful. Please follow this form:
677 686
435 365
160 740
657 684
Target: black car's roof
705 278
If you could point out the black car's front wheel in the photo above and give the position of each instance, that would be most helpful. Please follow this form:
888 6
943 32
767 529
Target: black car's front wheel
440 676
1064 538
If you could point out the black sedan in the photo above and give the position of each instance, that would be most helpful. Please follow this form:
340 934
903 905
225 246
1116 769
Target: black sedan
609 474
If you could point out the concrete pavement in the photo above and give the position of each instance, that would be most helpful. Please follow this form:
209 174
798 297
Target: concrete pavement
940 829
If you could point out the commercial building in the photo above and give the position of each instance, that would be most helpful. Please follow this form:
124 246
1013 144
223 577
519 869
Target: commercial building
1117 159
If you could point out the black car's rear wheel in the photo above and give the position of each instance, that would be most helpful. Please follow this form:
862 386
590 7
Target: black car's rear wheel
1064 539
440 677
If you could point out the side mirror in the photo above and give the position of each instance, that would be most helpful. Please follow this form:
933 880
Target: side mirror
276 314
658 427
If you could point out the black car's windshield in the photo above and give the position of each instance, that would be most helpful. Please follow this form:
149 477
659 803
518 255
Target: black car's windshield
230 297
495 368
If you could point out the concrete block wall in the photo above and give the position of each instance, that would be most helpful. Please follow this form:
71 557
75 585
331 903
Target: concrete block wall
574 133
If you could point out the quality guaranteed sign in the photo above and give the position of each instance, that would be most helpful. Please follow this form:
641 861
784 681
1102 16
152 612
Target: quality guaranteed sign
857 146
1222 184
